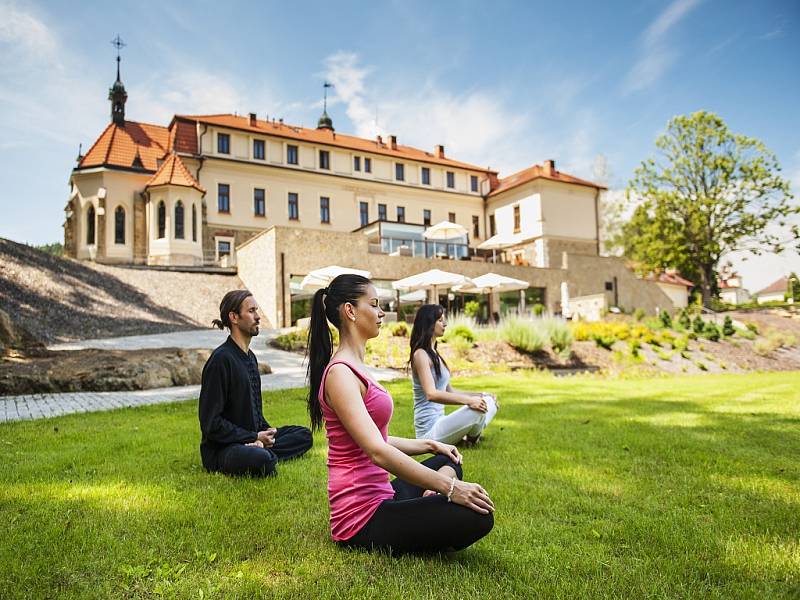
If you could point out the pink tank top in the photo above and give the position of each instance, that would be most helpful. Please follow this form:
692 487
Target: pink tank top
356 486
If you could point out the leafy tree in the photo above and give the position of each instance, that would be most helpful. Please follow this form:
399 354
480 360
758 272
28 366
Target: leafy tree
708 193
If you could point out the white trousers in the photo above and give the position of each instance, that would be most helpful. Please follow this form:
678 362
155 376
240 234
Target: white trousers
464 421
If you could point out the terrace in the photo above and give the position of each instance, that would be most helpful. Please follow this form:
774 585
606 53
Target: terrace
408 239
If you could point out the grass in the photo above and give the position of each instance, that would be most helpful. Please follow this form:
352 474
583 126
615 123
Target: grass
684 487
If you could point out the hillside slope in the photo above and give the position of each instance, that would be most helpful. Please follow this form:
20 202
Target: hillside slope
60 299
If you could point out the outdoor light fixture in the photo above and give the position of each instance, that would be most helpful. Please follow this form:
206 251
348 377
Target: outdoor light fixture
101 193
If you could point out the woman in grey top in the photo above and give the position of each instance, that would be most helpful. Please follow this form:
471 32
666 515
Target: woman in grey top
432 390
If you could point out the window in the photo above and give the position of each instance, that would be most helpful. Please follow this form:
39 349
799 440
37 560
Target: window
223 248
162 220
363 208
324 159
426 217
367 165
426 176
324 209
194 223
356 163
291 154
451 179
294 209
451 217
473 183
401 214
90 225
609 286
476 226
223 143
179 220
399 171
516 219
492 230
259 202
381 212
258 149
119 225
223 198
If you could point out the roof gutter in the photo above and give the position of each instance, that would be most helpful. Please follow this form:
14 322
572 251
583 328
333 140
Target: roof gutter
200 156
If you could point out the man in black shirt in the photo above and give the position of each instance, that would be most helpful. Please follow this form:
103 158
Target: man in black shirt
236 439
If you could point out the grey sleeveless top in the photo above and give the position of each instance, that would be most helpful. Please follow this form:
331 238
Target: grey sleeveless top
426 413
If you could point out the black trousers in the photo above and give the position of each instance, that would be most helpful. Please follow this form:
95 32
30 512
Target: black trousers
291 441
411 523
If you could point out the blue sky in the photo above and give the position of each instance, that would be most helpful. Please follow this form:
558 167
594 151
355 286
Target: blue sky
501 84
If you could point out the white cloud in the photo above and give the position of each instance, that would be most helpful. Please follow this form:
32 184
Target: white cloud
657 56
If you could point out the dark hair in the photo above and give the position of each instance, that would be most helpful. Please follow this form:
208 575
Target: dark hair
231 302
325 307
422 336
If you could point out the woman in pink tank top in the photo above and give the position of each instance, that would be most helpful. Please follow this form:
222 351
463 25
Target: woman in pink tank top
427 507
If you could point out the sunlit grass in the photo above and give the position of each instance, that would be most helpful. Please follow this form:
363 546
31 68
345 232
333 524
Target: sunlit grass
668 487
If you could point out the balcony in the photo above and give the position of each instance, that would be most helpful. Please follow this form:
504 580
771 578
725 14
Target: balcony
407 239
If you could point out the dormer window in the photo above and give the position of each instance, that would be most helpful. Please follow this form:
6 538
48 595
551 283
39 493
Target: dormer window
223 143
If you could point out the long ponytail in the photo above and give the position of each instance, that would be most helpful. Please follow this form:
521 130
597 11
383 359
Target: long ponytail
319 349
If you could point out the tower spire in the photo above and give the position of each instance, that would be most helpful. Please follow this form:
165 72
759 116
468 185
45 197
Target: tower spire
325 122
117 94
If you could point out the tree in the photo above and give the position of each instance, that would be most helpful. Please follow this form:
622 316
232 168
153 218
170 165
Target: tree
794 287
708 193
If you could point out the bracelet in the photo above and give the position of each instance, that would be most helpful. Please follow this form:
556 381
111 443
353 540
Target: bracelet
452 487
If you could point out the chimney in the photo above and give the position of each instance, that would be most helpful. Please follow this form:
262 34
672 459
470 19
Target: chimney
252 119
393 142
550 167
439 151
379 139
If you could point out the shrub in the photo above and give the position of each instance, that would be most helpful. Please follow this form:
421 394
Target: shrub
711 331
399 329
666 319
684 320
681 343
460 346
459 330
523 335
727 327
538 309
292 341
472 308
560 337
751 327
746 334
636 347
698 325
639 314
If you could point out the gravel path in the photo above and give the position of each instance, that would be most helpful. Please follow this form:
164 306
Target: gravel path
288 371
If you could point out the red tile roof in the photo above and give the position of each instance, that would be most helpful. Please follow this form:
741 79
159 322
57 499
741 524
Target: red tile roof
328 138
670 277
539 172
780 286
173 172
119 145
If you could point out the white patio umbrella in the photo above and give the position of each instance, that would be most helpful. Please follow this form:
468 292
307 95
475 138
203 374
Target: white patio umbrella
492 283
431 280
319 278
500 241
444 231
412 297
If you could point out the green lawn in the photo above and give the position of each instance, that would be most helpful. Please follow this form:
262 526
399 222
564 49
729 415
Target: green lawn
671 487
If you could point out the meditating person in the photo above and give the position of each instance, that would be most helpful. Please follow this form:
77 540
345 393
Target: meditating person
427 507
236 439
430 378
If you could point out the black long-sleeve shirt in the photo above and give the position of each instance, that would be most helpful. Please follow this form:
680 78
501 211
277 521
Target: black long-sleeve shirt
230 408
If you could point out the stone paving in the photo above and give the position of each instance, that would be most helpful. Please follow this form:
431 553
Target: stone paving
288 371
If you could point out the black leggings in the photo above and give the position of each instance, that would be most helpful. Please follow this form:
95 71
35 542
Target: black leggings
291 441
411 523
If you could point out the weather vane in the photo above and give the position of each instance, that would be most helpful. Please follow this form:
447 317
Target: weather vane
325 87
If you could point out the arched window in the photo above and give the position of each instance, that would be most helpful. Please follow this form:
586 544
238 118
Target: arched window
162 220
119 225
90 226
179 220
194 223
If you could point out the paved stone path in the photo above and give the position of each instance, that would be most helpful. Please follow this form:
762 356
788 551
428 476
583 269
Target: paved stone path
288 371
